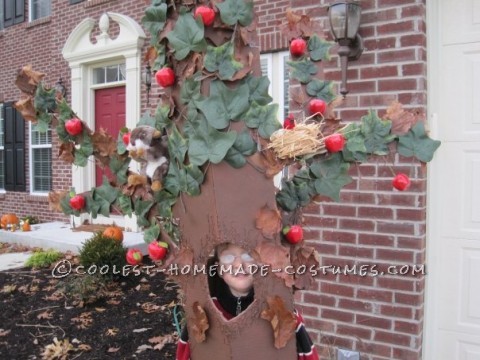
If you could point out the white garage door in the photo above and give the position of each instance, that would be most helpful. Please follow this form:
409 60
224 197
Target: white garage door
453 284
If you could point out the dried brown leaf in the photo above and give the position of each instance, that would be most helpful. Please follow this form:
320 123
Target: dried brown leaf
298 26
150 307
283 321
4 332
58 350
402 120
199 323
26 108
150 55
112 332
113 349
268 221
28 79
305 256
54 198
161 341
299 96
104 143
143 348
278 257
66 152
84 347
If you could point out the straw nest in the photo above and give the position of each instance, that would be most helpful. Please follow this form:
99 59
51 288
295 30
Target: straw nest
304 139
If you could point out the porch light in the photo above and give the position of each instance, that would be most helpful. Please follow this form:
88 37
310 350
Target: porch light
344 17
60 88
148 81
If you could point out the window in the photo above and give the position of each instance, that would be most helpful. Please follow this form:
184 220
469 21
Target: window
12 12
40 160
2 162
109 74
274 65
40 9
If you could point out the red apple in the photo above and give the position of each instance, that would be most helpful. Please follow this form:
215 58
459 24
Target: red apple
335 142
298 47
126 138
293 234
77 202
74 126
207 14
157 250
165 77
289 122
317 106
401 182
134 256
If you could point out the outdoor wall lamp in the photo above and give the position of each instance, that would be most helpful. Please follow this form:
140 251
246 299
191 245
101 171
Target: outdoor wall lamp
60 87
344 17
148 81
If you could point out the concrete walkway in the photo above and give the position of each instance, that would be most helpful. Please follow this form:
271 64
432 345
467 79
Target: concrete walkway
58 236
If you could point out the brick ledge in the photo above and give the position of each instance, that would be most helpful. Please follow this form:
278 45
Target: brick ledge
92 3
36 198
37 22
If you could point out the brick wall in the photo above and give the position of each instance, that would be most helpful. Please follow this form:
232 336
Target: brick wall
379 316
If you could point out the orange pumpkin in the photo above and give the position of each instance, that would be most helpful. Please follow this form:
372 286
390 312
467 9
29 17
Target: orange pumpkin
8 219
26 226
114 232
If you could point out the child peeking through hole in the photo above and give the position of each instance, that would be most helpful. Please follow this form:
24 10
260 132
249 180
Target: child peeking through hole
231 288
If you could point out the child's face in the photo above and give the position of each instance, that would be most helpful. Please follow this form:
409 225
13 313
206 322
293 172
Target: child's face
235 261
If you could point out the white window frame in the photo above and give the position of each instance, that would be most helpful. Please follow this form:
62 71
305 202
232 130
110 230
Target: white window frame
276 63
276 66
2 147
30 155
30 10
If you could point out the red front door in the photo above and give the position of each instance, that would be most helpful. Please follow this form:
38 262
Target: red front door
110 116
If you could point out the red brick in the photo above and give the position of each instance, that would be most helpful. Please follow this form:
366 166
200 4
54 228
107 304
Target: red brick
397 85
371 321
396 311
404 256
374 348
355 305
357 332
336 289
396 228
342 316
413 328
407 354
339 236
379 72
375 212
375 294
396 56
352 224
318 299
392 338
339 210
322 222
355 252
336 341
396 27
375 239
411 214
396 284
413 40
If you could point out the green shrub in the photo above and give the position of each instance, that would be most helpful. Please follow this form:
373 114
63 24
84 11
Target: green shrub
43 258
103 255
84 289
32 220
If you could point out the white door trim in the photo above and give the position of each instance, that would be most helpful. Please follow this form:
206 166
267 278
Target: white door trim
82 55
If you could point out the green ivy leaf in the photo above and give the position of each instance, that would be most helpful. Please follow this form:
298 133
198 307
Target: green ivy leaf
147 119
142 207
210 146
65 205
165 201
155 19
354 149
45 100
302 70
119 167
263 117
177 145
121 147
331 176
151 234
160 60
190 90
321 90
417 143
224 104
95 207
188 35
242 147
83 153
125 204
294 195
319 48
186 179
258 86
162 121
233 11
64 111
106 192
377 133
221 59
43 122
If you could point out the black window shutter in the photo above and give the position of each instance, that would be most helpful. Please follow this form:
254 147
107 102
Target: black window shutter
75 1
13 12
19 11
14 149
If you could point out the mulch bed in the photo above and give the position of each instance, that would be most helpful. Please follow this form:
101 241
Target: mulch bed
132 318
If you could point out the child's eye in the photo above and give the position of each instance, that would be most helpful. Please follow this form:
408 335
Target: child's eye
227 259
246 257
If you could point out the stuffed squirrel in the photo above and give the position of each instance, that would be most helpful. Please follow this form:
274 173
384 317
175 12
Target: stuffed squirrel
150 147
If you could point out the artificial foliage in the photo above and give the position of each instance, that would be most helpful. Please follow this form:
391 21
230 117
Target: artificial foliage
219 111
